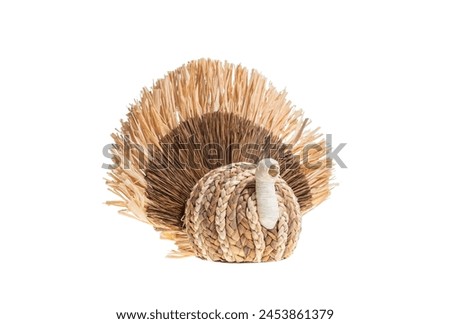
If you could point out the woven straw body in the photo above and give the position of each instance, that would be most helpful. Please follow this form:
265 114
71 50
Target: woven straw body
223 224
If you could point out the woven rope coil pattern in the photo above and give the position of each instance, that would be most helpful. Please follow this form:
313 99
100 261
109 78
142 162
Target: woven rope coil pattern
222 222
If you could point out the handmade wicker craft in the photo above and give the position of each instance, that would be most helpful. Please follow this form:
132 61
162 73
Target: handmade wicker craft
222 220
183 164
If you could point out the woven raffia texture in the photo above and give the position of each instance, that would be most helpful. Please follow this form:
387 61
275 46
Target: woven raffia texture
223 224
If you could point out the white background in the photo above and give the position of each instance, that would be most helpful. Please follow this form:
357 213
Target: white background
375 75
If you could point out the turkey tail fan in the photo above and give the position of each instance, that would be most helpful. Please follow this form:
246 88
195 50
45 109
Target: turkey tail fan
202 116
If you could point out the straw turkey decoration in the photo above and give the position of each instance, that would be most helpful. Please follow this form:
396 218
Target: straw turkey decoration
217 160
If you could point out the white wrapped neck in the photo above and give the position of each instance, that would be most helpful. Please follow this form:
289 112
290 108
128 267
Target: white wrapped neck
266 174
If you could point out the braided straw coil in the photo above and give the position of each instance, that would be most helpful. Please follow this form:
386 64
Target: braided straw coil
223 224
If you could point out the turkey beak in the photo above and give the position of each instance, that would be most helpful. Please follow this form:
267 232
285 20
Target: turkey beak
274 170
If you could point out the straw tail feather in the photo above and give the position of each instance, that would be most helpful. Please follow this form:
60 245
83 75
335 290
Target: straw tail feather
202 116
